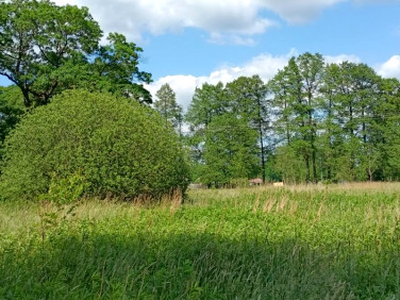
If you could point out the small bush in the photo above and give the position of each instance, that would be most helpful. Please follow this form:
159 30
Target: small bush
118 148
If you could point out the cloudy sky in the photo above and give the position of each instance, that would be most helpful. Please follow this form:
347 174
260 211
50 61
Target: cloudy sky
189 42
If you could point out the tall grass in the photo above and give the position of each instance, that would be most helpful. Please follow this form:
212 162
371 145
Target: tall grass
306 242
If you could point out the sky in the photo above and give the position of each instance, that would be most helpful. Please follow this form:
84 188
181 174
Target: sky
189 42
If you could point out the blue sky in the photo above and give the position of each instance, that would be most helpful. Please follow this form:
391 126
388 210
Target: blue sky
189 42
370 32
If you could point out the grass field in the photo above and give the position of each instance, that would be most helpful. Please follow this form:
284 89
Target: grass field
307 242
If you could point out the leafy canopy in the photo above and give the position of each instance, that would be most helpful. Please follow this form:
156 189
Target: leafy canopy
11 110
112 147
45 49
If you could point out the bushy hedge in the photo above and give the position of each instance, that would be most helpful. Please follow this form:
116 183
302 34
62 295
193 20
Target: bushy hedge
102 145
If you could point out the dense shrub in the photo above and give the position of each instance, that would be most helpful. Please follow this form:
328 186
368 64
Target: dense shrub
115 147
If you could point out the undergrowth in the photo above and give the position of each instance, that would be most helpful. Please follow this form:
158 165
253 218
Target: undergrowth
339 242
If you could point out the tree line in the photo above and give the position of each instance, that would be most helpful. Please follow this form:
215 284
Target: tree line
312 122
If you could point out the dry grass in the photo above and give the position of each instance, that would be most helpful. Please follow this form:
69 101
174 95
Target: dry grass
18 217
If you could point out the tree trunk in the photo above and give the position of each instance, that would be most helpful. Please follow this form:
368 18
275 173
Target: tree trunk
329 175
308 175
313 156
262 154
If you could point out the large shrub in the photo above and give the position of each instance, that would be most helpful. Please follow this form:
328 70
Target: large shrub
102 145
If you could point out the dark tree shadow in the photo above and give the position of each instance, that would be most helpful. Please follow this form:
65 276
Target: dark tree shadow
183 266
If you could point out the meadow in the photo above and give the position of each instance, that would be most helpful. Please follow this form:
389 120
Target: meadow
300 242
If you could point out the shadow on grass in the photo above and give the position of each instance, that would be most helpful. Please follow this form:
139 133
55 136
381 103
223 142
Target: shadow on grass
203 266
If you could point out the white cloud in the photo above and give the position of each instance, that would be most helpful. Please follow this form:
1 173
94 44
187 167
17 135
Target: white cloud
228 18
295 11
265 65
236 39
227 21
390 68
183 86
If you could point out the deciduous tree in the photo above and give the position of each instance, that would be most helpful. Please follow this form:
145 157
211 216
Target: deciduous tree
247 99
45 49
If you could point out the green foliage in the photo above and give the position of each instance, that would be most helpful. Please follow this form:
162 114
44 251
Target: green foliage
386 121
354 121
290 165
66 190
11 110
314 121
116 148
166 105
297 89
40 42
208 101
247 99
339 118
228 125
230 151
116 70
45 49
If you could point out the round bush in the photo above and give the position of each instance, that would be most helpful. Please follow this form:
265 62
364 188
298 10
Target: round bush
104 146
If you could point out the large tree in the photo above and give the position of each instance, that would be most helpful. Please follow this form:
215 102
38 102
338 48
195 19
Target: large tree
45 48
353 92
230 151
387 119
209 102
228 127
297 91
116 69
247 100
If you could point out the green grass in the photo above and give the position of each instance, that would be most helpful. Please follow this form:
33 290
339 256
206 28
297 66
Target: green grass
336 242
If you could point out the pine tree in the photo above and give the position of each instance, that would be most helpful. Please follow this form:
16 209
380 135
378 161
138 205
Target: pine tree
166 105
